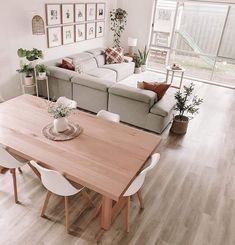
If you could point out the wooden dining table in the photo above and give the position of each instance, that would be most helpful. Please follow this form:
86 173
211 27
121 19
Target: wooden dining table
105 157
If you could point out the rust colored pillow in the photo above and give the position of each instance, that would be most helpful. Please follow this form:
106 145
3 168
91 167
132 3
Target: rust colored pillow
67 65
159 88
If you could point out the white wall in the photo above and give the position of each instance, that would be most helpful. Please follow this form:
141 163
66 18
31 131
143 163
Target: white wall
138 21
16 32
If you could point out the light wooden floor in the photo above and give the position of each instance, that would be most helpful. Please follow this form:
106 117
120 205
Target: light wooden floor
189 197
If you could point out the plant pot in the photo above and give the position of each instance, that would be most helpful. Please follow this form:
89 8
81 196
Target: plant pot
137 70
60 124
28 80
42 75
143 68
179 125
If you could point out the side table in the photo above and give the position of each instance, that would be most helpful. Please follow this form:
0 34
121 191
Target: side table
47 86
173 71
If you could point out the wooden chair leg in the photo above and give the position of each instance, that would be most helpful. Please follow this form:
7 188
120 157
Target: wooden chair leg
87 197
13 172
127 214
66 209
48 195
140 199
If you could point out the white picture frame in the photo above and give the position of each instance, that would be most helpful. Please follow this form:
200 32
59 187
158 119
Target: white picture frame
100 28
68 34
80 32
54 37
100 11
80 12
90 30
67 13
53 14
90 11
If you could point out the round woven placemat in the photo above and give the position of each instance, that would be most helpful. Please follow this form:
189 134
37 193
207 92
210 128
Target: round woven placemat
72 132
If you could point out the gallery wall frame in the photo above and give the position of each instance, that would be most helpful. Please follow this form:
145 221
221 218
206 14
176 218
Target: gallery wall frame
68 23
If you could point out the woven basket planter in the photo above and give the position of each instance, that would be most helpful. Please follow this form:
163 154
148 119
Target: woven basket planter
179 125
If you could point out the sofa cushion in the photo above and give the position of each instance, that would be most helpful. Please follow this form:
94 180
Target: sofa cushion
81 56
96 52
85 65
61 73
103 73
100 59
92 82
67 64
114 55
164 106
123 70
145 96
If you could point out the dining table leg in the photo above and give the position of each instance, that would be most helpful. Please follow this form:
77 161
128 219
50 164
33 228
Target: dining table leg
106 213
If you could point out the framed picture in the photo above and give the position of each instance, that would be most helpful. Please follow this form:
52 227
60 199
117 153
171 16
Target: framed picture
67 13
100 11
80 32
68 34
100 29
80 12
90 11
53 14
54 37
90 30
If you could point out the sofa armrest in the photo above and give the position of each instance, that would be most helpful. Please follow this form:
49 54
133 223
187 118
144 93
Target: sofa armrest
92 82
61 73
146 96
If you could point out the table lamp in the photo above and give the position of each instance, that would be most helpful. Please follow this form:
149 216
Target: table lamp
132 42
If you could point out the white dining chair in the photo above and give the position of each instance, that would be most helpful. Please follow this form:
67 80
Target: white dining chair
108 116
9 162
67 102
135 187
56 183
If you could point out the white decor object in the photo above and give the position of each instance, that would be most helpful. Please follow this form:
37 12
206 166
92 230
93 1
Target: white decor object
42 75
28 80
60 124
132 42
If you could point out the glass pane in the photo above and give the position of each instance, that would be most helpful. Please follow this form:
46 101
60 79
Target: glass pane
227 48
199 27
157 58
224 72
163 23
195 66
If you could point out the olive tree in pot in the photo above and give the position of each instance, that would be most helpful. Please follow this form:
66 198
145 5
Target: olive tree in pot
28 74
185 105
144 56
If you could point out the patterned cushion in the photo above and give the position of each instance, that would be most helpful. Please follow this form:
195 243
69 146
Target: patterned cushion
67 64
114 55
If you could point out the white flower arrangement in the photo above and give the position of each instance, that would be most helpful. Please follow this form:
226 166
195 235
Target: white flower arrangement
58 110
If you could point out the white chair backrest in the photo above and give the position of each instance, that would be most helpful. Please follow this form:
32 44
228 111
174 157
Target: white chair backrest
67 102
55 182
109 116
7 160
139 180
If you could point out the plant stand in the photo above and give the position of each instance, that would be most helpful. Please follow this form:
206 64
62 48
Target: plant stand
47 85
24 87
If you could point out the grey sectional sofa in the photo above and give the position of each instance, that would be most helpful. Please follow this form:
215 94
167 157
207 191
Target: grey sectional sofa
99 87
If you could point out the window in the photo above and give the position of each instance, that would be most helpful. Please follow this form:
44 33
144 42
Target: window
199 36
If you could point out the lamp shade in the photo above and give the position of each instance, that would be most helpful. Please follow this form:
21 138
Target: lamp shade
132 41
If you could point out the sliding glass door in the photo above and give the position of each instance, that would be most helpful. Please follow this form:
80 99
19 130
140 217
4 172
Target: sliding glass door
198 36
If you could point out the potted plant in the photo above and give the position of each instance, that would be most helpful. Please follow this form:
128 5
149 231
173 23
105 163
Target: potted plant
59 112
42 70
144 55
31 55
28 74
185 104
118 18
138 63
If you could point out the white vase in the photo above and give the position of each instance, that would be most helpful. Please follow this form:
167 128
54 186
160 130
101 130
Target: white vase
137 70
60 124
143 68
28 80
42 75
